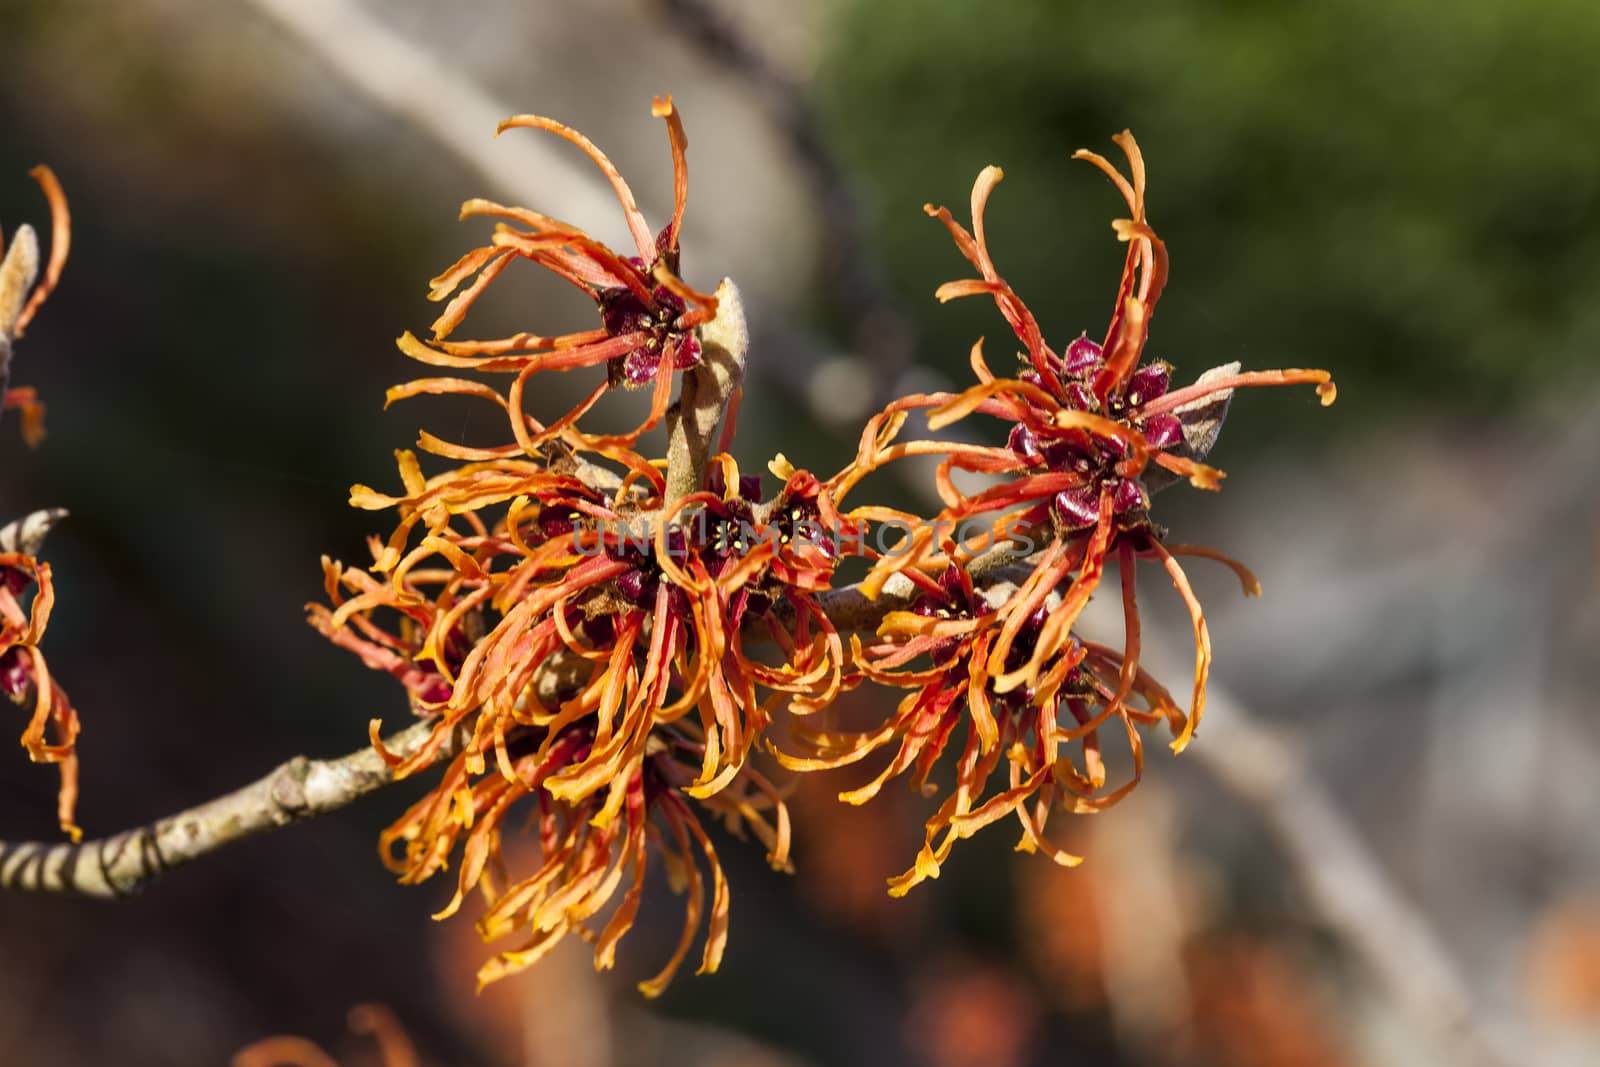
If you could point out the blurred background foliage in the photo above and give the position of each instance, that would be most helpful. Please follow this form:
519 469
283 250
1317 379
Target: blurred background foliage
1403 193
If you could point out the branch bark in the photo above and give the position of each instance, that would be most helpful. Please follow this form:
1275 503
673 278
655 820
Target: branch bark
414 85
304 788
297 790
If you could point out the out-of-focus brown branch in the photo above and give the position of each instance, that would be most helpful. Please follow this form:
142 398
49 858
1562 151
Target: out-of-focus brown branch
1345 883
299 789
407 81
853 276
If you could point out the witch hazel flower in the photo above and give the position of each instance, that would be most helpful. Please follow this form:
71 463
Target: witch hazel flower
1001 662
649 317
1096 413
589 646
1098 457
586 854
584 694
27 597
1086 425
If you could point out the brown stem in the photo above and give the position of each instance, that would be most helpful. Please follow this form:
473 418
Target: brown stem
299 789
1347 885
304 788
707 392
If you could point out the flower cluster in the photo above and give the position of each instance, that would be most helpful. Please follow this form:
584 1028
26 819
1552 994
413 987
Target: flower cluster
26 592
601 639
1083 429
648 314
578 637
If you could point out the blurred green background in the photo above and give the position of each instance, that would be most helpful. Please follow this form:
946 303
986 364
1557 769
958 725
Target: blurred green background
1405 193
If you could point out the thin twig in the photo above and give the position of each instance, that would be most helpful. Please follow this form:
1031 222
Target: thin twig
305 788
297 790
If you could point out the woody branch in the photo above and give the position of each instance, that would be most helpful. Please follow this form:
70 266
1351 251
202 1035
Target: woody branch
299 789
304 788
